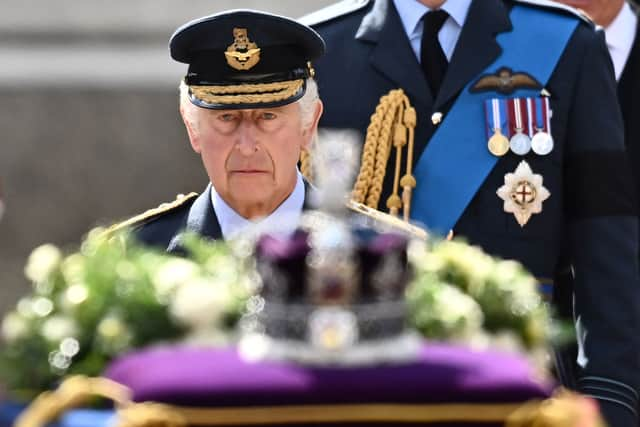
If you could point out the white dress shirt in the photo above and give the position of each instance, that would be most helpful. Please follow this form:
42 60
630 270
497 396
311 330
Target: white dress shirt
284 219
412 11
620 35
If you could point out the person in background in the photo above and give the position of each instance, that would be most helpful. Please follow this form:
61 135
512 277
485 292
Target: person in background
522 155
619 18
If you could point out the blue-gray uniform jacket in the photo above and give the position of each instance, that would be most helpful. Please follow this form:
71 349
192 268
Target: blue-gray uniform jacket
164 226
587 228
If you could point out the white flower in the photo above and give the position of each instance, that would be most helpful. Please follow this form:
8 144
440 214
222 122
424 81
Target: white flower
200 303
58 327
14 327
42 262
110 326
173 273
507 341
76 294
459 313
73 268
42 306
205 338
113 334
223 268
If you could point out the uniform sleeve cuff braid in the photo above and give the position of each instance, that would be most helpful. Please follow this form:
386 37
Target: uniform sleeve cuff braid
606 389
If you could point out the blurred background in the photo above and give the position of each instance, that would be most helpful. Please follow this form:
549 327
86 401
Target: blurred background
89 126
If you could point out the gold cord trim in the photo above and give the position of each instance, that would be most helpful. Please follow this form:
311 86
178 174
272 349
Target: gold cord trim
150 414
247 93
562 410
388 220
392 123
277 415
73 392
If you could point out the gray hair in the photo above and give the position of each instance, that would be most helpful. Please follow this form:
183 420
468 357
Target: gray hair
307 103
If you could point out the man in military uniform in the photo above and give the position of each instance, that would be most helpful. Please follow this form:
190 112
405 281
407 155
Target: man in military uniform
250 105
518 148
619 19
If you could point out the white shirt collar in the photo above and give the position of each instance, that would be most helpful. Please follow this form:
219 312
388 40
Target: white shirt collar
284 219
412 11
620 35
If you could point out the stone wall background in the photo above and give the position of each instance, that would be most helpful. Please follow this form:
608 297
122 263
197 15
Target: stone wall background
89 127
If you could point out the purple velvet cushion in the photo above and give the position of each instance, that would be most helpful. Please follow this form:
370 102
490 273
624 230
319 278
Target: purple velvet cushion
220 378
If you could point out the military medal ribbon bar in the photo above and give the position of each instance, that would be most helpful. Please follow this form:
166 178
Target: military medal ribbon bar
519 124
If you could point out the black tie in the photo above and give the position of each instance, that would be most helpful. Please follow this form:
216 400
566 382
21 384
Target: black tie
432 57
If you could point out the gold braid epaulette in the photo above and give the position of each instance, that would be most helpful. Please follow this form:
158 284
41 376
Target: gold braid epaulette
180 200
392 126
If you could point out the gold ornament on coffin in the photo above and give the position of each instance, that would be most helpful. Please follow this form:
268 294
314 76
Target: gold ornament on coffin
523 193
242 54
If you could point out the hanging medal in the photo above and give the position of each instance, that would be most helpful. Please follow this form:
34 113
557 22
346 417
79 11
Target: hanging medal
542 141
498 143
520 142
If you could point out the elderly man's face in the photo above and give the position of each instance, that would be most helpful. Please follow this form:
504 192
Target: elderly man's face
250 155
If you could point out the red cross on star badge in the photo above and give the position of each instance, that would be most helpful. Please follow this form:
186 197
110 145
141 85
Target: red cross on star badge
523 193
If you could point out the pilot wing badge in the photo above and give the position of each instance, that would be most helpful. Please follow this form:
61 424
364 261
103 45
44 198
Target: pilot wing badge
523 193
242 54
505 81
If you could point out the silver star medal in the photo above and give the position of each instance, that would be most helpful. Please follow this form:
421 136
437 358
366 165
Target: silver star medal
523 193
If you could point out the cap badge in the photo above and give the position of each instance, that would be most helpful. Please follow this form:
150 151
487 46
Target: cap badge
523 193
242 54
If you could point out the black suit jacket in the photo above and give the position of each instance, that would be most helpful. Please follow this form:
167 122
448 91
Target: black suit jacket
629 96
587 226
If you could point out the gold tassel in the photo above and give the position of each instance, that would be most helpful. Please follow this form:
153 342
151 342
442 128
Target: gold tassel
392 124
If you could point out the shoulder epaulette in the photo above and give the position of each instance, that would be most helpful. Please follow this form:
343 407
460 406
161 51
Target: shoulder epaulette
333 11
146 216
559 7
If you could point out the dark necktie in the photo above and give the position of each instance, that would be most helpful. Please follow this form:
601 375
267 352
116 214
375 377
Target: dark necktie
432 57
